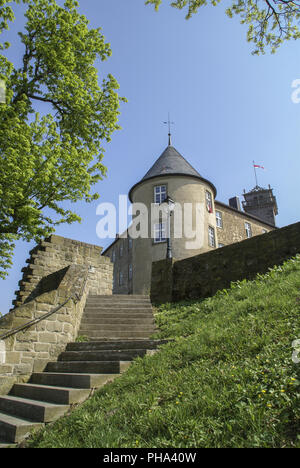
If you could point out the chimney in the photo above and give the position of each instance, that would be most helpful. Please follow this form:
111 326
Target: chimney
234 202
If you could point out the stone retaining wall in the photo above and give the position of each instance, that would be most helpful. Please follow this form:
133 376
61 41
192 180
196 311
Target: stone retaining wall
203 275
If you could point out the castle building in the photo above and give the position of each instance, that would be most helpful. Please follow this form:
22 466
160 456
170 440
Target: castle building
186 220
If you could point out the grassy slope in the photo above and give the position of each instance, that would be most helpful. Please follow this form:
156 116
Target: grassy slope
227 380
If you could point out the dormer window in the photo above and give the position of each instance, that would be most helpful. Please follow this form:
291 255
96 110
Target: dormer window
160 193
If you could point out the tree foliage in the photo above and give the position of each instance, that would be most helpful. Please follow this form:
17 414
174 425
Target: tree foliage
53 156
270 22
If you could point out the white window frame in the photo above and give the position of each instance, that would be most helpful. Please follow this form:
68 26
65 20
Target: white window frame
160 194
219 219
211 236
160 232
248 229
208 200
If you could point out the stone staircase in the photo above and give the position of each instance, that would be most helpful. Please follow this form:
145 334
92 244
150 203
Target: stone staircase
117 317
118 329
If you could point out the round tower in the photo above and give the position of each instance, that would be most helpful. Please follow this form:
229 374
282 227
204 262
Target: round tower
192 223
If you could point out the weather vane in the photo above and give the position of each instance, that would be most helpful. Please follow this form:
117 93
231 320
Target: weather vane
169 123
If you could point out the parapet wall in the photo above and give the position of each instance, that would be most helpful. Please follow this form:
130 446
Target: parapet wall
60 275
203 275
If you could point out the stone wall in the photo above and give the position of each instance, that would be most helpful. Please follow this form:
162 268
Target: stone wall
233 228
58 252
120 253
53 285
203 275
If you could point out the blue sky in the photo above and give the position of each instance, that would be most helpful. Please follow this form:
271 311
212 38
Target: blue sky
229 108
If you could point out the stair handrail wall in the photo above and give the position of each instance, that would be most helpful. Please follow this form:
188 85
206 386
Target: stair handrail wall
55 318
75 297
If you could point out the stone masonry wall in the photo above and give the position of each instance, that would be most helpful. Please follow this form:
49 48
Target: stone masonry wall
233 228
61 272
57 252
204 274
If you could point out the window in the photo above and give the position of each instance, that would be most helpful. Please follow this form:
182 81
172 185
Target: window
160 193
113 255
219 219
211 237
130 272
121 250
120 278
248 230
221 245
160 232
130 243
208 199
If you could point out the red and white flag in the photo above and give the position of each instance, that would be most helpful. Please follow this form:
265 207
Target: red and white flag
256 165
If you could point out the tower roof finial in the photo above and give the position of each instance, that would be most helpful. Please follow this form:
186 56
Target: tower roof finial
169 123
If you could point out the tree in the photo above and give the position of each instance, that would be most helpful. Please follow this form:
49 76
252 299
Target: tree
270 22
49 158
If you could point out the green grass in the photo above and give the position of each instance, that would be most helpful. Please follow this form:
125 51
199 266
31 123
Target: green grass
227 379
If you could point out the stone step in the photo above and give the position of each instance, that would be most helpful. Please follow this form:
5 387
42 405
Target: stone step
21 293
119 336
126 330
103 355
38 411
106 315
121 299
60 395
26 286
83 367
72 380
14 429
115 335
95 320
106 345
119 296
117 306
115 326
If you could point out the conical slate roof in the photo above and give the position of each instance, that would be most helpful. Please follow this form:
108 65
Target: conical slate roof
171 162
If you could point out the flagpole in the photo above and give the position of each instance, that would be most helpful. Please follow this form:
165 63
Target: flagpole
255 173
